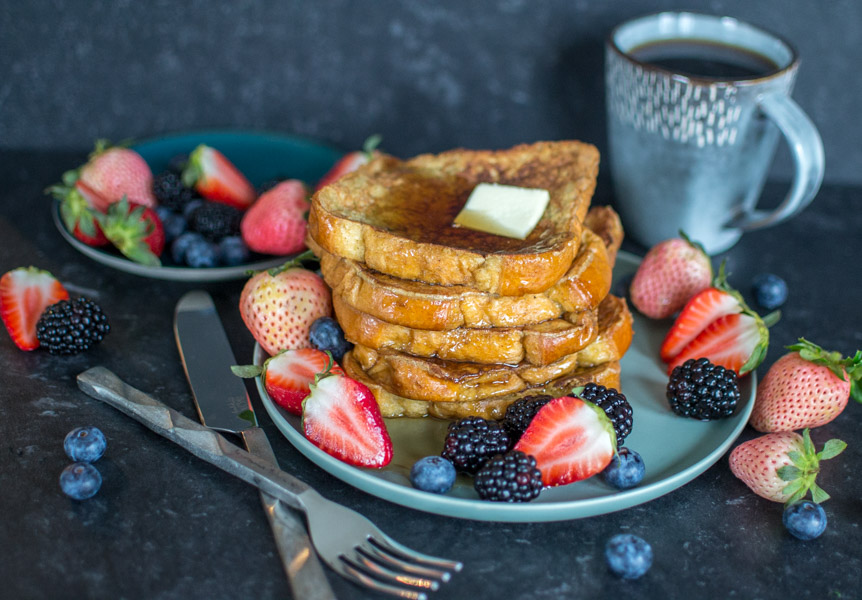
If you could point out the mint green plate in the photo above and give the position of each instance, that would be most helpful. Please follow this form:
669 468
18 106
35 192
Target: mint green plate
675 449
261 157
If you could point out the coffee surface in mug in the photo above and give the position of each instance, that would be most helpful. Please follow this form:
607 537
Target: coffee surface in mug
704 59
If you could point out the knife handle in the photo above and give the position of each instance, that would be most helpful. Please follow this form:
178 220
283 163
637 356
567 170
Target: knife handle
306 576
203 442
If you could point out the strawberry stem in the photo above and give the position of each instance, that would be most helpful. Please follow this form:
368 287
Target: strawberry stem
840 366
370 144
802 473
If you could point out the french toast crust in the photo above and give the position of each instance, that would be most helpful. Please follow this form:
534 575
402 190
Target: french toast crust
396 216
431 307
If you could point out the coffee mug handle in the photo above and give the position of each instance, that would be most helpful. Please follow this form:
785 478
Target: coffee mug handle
807 150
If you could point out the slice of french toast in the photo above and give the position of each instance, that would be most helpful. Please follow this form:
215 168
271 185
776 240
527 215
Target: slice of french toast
433 307
397 216
393 405
436 380
538 344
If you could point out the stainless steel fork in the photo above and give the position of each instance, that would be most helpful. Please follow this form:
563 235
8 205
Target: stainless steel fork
349 543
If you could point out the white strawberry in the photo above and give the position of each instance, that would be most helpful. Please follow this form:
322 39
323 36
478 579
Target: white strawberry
782 466
278 306
113 172
808 387
669 275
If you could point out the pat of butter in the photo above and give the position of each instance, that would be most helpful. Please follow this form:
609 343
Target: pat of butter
505 210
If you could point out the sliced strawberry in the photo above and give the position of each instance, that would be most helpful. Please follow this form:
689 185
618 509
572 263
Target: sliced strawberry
341 417
134 230
572 439
25 293
217 179
351 161
737 341
287 375
704 308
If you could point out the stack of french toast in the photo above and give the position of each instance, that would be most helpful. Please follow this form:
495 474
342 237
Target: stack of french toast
450 321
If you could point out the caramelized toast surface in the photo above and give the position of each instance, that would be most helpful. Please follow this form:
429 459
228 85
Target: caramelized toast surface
397 216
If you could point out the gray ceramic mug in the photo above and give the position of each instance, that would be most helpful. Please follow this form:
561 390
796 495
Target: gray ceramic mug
695 105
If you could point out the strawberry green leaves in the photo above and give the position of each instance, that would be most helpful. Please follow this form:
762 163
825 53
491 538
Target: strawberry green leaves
802 473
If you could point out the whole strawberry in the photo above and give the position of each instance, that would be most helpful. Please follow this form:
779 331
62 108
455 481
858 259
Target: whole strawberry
807 387
782 466
78 213
113 172
669 275
134 230
351 161
278 306
275 223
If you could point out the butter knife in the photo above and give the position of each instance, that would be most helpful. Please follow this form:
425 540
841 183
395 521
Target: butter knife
223 404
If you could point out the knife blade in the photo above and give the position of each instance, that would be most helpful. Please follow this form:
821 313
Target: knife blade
223 404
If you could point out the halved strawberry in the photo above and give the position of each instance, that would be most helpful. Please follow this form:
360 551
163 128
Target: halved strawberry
704 308
217 179
351 161
287 375
572 439
737 341
25 293
340 416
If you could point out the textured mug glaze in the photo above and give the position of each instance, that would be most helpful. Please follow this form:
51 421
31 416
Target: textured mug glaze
691 153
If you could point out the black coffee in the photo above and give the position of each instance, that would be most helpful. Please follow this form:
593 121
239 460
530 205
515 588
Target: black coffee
698 58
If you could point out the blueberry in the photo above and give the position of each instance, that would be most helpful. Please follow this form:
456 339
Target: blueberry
174 225
625 471
628 556
433 474
326 334
769 291
805 520
80 480
162 212
85 444
233 251
181 245
191 207
201 254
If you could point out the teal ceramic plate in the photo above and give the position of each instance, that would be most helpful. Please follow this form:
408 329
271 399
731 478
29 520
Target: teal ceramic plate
675 449
260 156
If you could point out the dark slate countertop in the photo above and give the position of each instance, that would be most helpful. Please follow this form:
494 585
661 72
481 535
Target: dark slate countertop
167 526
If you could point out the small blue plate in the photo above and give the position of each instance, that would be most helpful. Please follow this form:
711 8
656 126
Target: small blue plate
261 157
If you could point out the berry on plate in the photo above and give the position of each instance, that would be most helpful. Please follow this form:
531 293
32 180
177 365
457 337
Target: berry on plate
669 275
625 471
85 444
470 442
216 178
782 466
808 387
520 414
805 520
351 161
326 334
276 224
113 172
287 375
702 390
80 480
25 293
614 403
78 213
628 556
572 439
135 230
279 305
509 477
341 417
432 474
72 326
769 290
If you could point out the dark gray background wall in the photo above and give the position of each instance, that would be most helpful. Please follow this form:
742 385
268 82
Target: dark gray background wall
426 75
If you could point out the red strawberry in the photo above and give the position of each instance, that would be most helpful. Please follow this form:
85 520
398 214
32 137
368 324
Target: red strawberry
134 230
287 375
737 342
278 306
782 466
571 439
25 293
669 275
808 387
114 172
341 417
351 161
217 179
78 213
276 224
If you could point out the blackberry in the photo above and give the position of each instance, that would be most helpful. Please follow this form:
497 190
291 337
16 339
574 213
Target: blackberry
615 405
520 413
702 390
471 441
169 190
215 220
71 326
510 477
